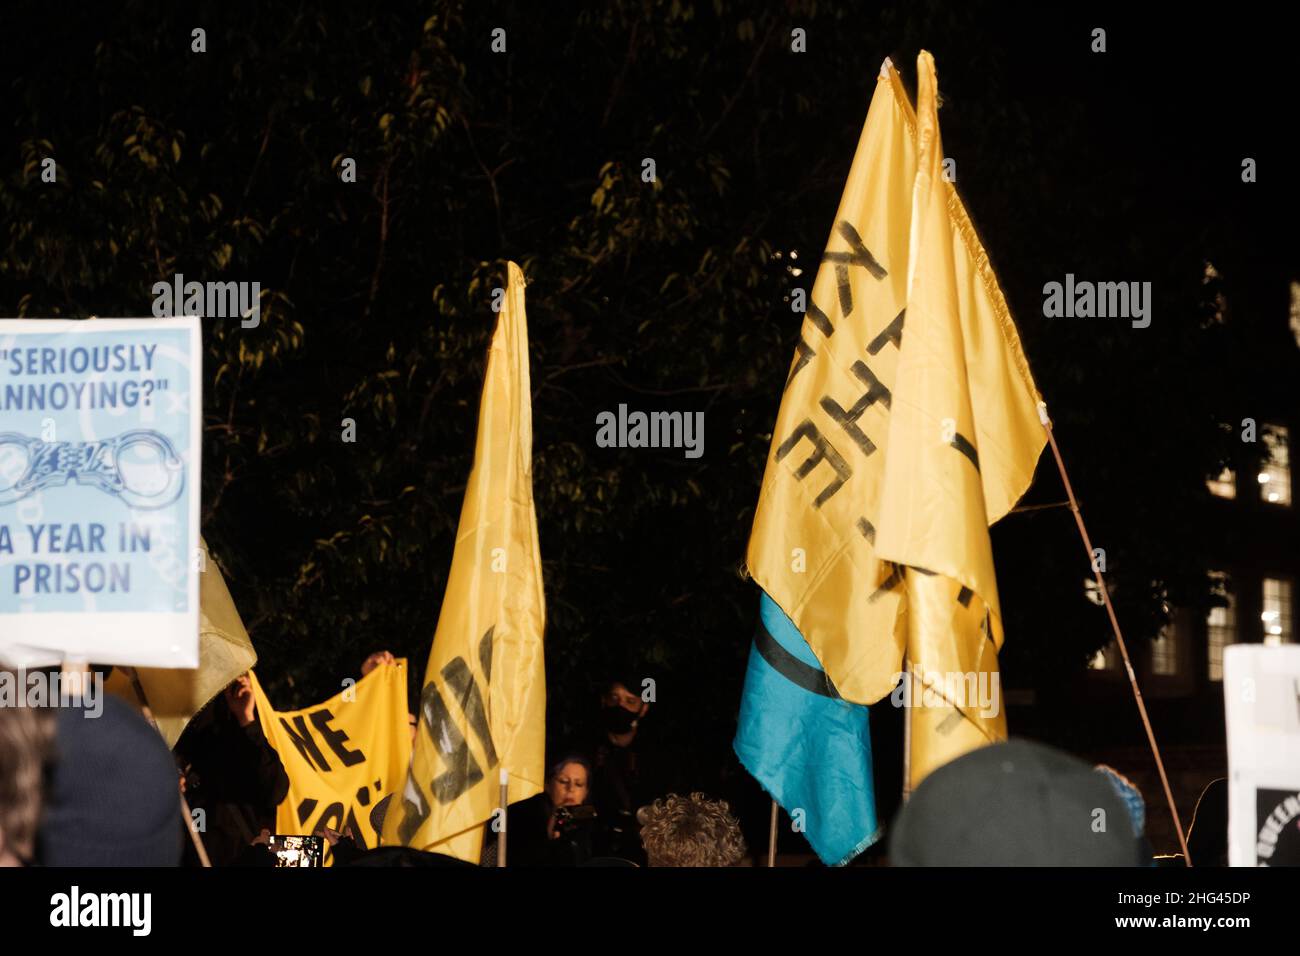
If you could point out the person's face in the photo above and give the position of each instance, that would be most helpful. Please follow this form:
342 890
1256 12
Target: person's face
620 696
568 788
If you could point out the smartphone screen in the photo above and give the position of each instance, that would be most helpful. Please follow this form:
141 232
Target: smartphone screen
296 850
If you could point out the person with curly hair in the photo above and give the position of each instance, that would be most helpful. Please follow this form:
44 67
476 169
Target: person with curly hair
691 831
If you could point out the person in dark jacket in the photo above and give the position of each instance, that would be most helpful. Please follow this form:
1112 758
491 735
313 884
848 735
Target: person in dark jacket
627 773
233 774
556 827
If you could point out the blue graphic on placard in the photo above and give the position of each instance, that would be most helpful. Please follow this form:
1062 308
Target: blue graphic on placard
95 463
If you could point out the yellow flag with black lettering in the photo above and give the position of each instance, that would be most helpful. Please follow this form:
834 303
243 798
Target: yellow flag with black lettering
482 711
868 534
342 756
964 439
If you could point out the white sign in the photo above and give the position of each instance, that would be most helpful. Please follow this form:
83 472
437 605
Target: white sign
1261 694
99 491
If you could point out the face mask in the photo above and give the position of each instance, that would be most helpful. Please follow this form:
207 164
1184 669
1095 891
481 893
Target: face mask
617 720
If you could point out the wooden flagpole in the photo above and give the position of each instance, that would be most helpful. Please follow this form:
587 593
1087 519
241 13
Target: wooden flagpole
907 730
771 837
504 799
1114 623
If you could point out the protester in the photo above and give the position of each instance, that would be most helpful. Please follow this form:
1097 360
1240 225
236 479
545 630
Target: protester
1129 793
691 831
26 748
113 798
558 827
626 772
1017 803
233 774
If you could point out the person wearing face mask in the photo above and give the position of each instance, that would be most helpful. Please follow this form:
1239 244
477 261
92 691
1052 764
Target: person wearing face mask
625 771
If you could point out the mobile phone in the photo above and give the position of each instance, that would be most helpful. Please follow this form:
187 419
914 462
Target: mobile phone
297 850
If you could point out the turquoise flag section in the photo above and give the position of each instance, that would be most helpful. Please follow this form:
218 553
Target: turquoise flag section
809 748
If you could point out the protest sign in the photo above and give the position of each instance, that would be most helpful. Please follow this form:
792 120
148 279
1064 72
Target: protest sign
1261 693
99 491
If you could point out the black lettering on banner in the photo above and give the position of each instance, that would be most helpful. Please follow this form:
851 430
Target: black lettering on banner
821 320
305 809
464 690
803 354
893 332
963 445
848 418
462 770
822 451
302 739
336 739
894 580
414 808
858 255
868 530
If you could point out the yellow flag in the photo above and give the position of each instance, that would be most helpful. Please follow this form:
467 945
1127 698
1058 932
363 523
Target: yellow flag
483 708
342 756
964 438
225 652
866 580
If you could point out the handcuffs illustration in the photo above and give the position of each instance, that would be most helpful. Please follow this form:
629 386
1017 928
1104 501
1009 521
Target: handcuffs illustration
95 463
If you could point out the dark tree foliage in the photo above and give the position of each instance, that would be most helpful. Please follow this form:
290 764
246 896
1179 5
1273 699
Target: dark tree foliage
670 295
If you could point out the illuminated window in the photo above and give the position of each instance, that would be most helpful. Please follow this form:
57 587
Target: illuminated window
1220 626
1275 471
1225 486
1277 611
1164 651
1105 659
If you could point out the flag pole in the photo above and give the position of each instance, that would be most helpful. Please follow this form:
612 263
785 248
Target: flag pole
771 837
907 731
504 799
1114 623
199 848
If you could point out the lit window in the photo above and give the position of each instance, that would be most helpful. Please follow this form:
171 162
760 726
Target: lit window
1105 659
1220 625
1164 651
1277 611
1295 311
1275 472
1225 486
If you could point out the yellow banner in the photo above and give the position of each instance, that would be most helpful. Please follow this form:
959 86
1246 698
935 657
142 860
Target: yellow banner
908 425
342 756
225 652
483 707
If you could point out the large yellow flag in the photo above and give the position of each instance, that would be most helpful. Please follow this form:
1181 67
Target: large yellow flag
868 533
483 707
225 652
964 438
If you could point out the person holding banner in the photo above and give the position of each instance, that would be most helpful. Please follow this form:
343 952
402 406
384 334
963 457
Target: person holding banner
232 774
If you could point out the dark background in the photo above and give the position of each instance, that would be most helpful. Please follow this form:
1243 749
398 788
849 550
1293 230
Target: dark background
1115 166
